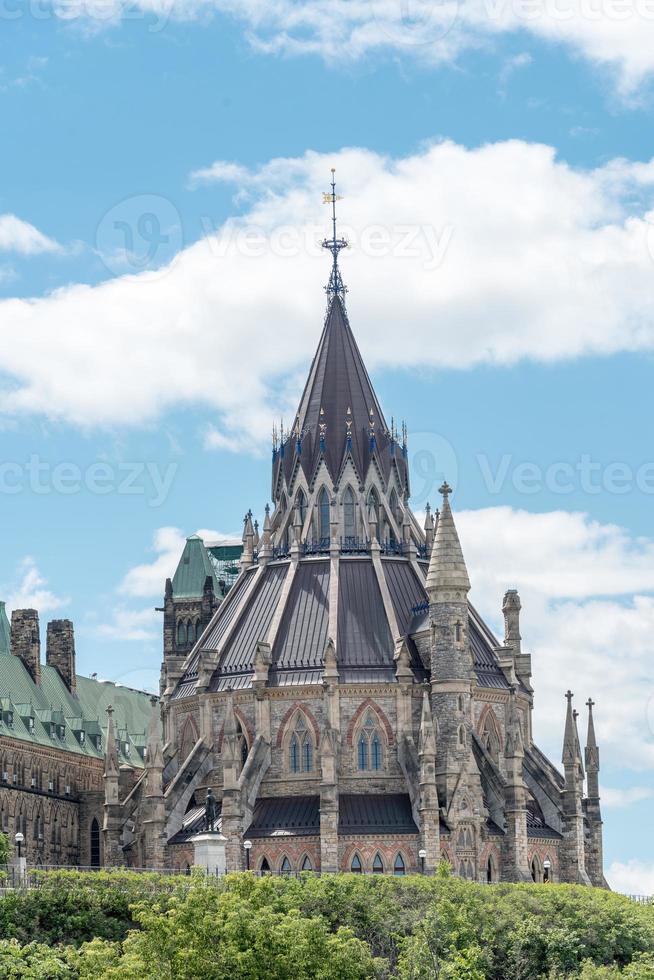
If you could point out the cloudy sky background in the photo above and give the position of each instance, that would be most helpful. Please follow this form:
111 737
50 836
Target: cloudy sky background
161 296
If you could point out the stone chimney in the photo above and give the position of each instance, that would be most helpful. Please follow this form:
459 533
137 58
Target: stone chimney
26 640
60 650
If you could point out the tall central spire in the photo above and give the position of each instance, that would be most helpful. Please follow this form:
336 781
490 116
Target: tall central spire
335 286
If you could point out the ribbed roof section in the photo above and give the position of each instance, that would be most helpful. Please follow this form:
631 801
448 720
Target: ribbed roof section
302 635
364 636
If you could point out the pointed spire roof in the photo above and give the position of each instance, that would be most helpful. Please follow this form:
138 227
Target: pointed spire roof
5 631
338 400
592 749
569 757
110 751
447 568
194 567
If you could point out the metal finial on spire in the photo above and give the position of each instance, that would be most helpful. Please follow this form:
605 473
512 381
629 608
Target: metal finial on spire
335 286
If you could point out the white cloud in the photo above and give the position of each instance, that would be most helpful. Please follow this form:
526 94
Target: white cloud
23 238
31 591
148 579
632 878
610 33
585 620
489 255
131 624
620 798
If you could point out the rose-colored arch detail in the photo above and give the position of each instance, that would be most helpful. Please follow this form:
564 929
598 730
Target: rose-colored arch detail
245 725
363 707
297 706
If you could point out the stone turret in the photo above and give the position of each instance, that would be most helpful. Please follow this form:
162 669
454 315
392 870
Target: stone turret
594 852
447 586
60 651
515 858
573 864
26 640
112 823
428 805
521 662
191 598
154 813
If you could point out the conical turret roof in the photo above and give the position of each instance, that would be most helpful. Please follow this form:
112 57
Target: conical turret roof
447 567
339 409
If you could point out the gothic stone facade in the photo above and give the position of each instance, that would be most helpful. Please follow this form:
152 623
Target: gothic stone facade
345 702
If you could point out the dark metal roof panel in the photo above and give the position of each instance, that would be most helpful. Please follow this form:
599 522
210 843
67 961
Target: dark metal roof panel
366 675
286 816
375 814
364 637
294 678
255 621
405 589
228 610
302 635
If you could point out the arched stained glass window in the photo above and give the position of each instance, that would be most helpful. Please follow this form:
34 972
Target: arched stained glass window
300 747
399 867
370 750
363 752
349 516
285 866
306 864
181 633
355 866
377 864
323 515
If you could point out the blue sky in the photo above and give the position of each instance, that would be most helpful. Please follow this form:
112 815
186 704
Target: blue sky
161 296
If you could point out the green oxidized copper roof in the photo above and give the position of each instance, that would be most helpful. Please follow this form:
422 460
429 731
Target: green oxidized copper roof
193 569
5 630
50 703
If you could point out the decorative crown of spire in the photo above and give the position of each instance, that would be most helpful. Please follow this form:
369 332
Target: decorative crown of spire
335 286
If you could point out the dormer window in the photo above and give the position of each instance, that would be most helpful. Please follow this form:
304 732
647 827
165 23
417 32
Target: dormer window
82 737
10 719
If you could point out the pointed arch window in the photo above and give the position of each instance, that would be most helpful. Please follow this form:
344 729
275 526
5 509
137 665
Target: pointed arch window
399 868
300 747
397 516
370 746
323 515
349 516
243 743
285 867
301 504
490 870
377 864
181 633
356 866
490 737
264 867
190 632
306 864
